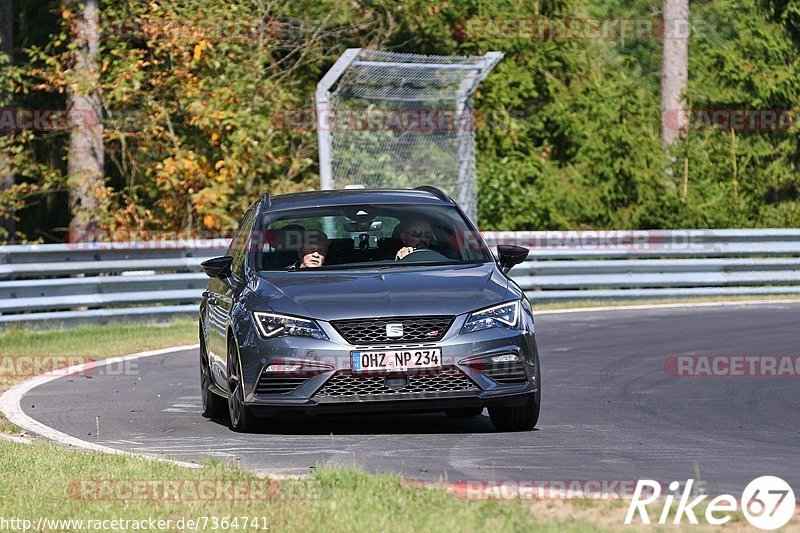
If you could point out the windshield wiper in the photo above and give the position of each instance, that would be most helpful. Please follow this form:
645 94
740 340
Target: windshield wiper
423 263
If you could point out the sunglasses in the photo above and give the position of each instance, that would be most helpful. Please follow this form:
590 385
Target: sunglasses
417 234
320 251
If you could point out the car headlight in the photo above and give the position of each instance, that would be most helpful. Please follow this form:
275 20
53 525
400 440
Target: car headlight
499 316
271 325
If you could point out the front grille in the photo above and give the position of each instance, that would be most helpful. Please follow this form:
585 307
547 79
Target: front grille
279 384
373 331
348 385
510 372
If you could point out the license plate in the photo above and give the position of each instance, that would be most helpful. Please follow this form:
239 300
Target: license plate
396 360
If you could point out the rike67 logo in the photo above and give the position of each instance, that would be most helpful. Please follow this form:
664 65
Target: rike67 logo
767 503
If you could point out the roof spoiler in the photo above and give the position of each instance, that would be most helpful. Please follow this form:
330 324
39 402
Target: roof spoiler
437 192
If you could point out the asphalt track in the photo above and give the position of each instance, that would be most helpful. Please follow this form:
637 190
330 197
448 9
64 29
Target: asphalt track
610 411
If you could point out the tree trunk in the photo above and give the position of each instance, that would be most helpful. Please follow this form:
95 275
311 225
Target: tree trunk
674 69
85 159
7 225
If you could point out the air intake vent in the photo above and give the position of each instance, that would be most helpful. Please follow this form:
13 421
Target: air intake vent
279 384
506 372
374 331
348 385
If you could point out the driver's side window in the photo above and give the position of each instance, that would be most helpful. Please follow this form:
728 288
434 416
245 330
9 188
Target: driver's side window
238 247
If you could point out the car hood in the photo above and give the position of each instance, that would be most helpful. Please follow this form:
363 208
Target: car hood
405 291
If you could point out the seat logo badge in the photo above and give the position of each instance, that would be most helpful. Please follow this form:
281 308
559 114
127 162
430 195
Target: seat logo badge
394 330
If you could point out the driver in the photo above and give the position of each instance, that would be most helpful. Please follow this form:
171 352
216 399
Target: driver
314 250
415 235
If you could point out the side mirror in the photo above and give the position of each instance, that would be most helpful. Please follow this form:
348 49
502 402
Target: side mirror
218 267
511 255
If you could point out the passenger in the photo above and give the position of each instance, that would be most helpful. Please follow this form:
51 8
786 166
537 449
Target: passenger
415 234
284 239
281 245
314 250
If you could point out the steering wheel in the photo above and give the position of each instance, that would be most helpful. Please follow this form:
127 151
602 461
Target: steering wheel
421 253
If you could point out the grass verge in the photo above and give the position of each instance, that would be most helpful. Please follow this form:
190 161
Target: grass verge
576 304
43 480
97 341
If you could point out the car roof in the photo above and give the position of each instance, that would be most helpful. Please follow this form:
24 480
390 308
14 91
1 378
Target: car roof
354 197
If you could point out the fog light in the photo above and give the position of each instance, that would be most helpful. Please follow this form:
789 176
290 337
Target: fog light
505 358
283 368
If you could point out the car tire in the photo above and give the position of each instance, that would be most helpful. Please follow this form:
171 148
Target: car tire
214 406
522 418
241 417
464 412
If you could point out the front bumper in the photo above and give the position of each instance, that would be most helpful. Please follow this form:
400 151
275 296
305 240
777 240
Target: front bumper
326 383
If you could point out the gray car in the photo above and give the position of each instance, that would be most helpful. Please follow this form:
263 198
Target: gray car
358 301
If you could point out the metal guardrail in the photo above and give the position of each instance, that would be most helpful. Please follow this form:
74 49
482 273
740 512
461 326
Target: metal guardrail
101 282
98 282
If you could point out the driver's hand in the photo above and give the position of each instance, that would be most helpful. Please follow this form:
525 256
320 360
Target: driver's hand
402 252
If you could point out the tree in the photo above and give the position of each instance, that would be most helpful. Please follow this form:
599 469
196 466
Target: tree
85 157
198 99
7 225
674 67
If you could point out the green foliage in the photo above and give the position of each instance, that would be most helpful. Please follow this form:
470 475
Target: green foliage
748 61
195 93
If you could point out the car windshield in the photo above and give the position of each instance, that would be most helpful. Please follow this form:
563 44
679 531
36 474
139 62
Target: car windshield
367 236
